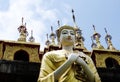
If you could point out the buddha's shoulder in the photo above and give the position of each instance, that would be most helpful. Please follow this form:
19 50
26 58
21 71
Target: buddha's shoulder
55 53
55 56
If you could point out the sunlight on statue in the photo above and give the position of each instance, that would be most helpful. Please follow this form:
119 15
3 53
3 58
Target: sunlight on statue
67 65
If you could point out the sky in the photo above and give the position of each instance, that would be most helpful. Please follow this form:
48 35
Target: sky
40 15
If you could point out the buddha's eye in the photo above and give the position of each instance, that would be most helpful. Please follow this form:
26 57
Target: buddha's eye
64 32
72 33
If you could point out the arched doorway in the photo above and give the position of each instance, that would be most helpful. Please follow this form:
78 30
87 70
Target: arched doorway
111 63
21 55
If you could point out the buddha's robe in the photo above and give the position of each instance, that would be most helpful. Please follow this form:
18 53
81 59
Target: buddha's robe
52 60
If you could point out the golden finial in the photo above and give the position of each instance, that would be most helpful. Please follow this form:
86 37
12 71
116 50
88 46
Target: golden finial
25 24
23 31
108 41
52 36
47 42
93 44
31 32
31 39
79 38
107 35
51 29
47 36
94 28
58 23
73 16
96 36
105 30
95 33
22 20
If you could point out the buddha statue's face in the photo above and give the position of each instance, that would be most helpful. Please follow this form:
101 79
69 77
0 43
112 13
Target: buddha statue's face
67 37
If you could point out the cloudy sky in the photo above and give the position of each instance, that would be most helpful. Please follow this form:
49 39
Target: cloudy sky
40 15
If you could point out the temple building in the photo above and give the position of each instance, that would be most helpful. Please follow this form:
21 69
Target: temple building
20 60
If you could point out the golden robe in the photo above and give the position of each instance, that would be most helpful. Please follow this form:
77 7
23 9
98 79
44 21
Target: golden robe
52 60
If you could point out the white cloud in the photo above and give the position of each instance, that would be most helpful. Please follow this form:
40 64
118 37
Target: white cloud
40 15
35 14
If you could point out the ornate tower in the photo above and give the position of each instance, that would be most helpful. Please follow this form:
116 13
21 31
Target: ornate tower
21 50
23 32
79 38
52 37
47 43
107 61
96 36
93 44
108 41
79 45
32 39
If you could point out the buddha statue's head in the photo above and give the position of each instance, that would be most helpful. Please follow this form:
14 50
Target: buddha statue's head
66 35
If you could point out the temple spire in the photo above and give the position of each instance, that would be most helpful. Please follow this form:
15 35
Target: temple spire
22 20
31 39
73 16
79 38
47 43
51 29
23 32
105 30
25 24
94 29
108 41
52 37
58 23
96 36
93 44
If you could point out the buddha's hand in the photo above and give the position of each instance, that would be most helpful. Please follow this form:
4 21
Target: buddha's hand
80 61
73 57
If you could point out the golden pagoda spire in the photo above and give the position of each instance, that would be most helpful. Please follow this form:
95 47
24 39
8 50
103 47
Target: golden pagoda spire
52 37
22 20
108 41
96 36
47 43
25 24
93 44
31 39
23 32
58 23
79 38
73 16
94 29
